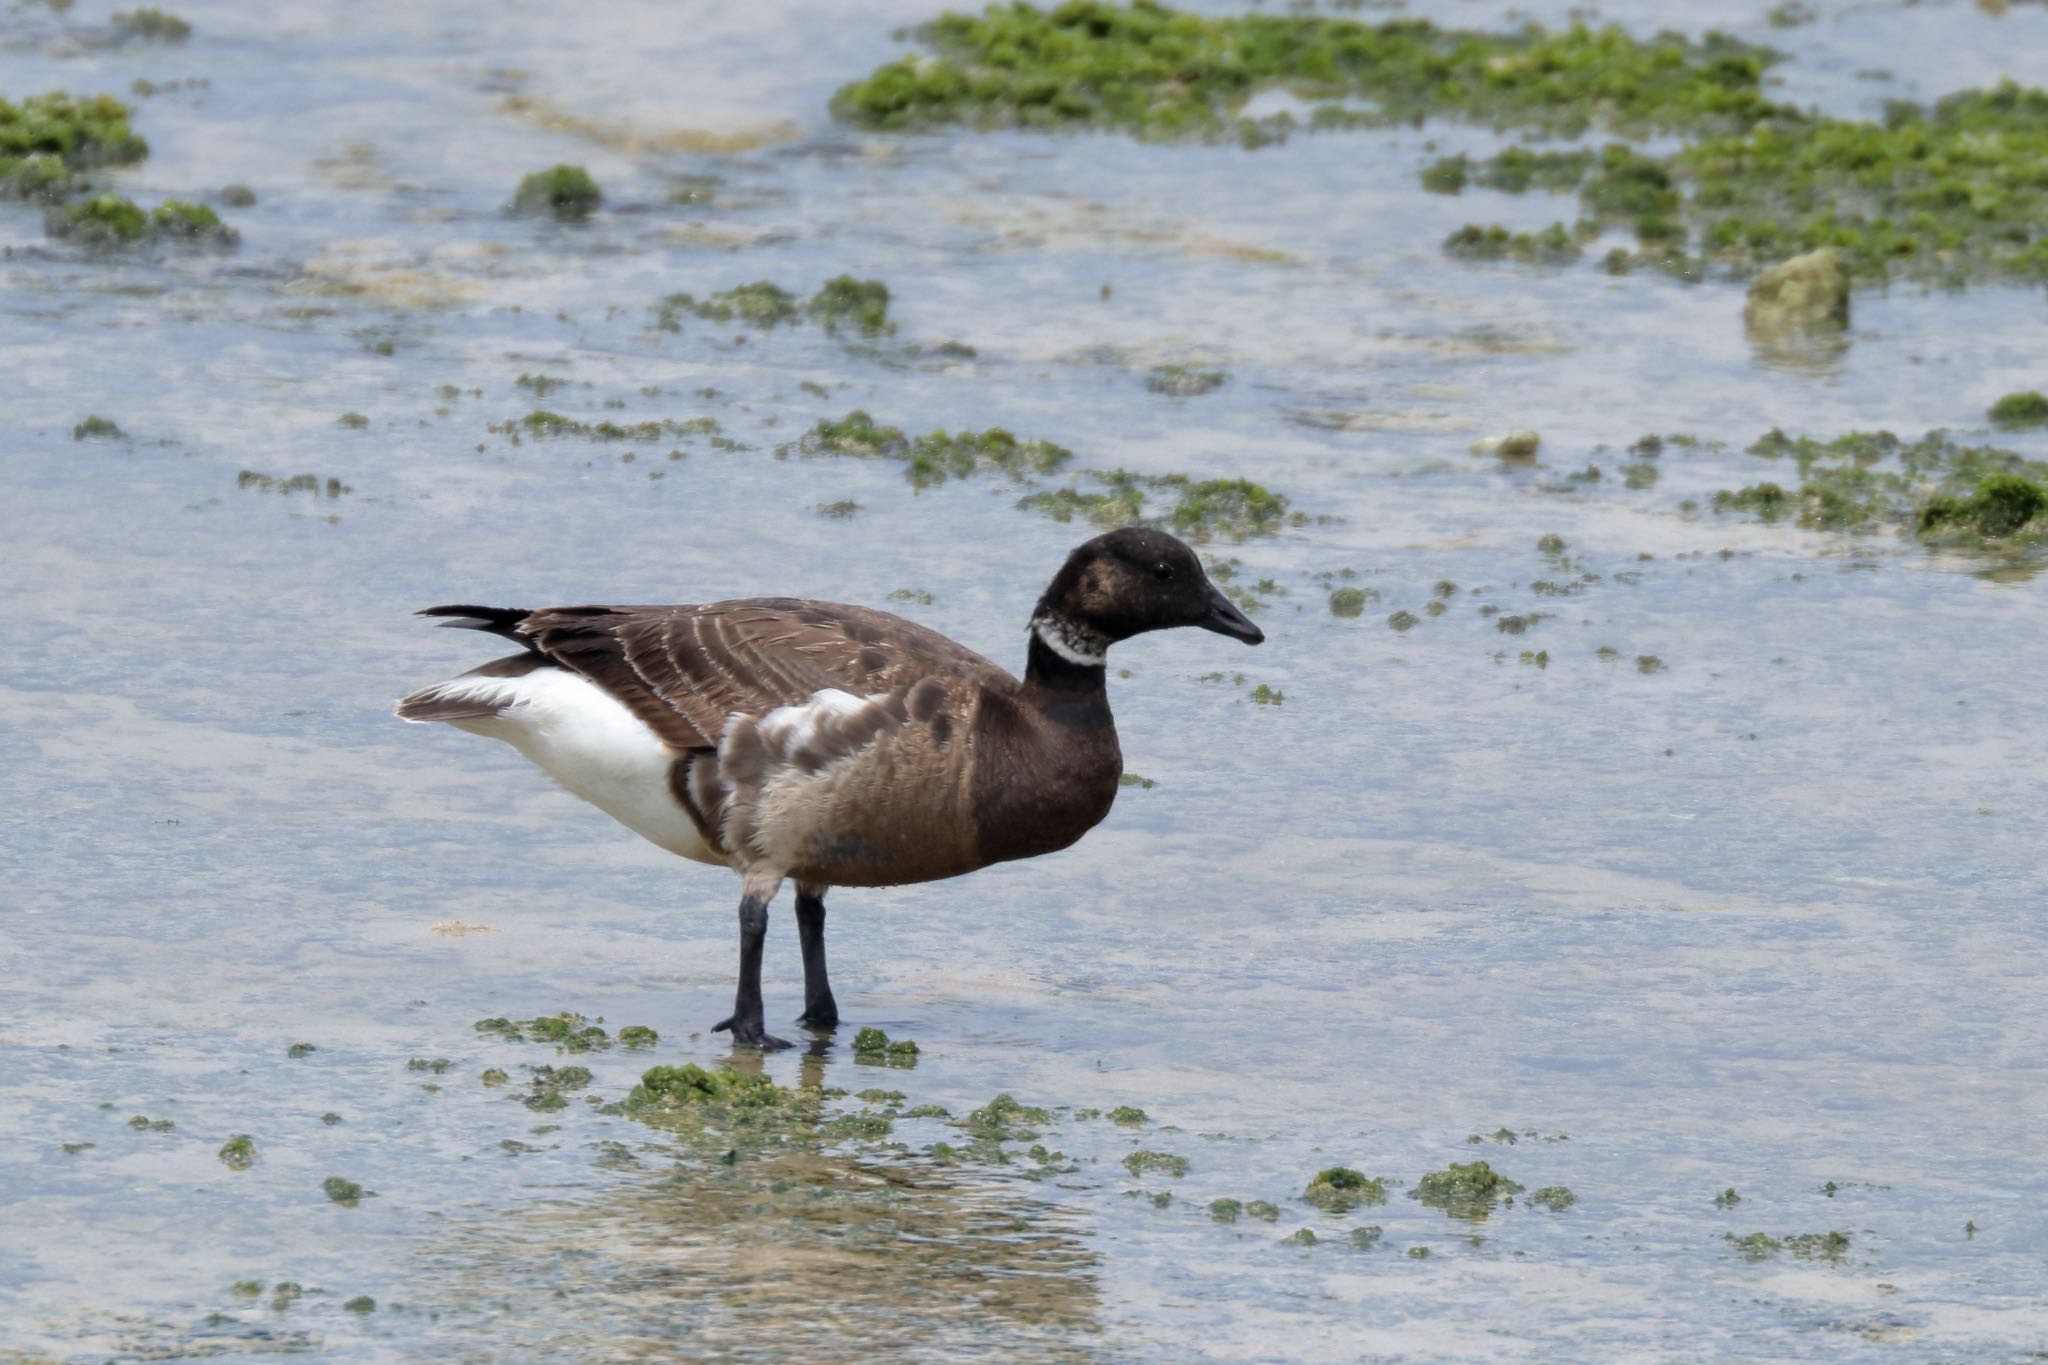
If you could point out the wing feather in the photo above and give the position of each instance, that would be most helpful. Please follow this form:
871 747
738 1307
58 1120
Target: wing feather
685 670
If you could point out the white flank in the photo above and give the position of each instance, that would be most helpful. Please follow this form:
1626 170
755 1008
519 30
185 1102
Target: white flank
586 739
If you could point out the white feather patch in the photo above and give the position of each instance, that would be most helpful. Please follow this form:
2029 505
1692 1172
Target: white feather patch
1071 643
589 742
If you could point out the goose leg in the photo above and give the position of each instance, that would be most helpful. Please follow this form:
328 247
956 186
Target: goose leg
746 1021
821 1011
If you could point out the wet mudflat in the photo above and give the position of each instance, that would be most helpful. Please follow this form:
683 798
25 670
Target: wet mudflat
1677 856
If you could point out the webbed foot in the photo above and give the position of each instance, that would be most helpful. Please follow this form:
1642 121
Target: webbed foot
750 1033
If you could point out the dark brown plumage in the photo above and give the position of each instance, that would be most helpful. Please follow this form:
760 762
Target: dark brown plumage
832 744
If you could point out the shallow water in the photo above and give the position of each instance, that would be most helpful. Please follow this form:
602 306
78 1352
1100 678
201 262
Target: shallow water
1764 918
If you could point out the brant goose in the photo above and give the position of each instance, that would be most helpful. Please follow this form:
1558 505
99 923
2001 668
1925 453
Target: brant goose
836 745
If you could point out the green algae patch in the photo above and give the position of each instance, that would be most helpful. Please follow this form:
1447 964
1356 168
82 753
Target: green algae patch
246 1289
842 302
183 221
151 24
1946 192
74 1148
1465 1189
353 421
1262 1210
1302 1237
693 1100
1166 1163
932 459
1943 493
142 1123
1004 1119
637 1036
1554 245
1350 603
1556 1198
2000 506
1824 1246
1130 779
1167 74
1403 621
493 1076
935 458
1236 509
1225 1210
361 1303
46 139
1127 1116
569 1031
108 220
437 1065
1200 510
1727 1199
100 220
1765 501
2017 410
875 1047
238 1153
1367 1236
563 190
760 304
287 484
862 305
96 428
1340 1189
1178 381
346 1193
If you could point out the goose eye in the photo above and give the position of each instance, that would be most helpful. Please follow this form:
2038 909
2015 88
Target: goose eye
1162 570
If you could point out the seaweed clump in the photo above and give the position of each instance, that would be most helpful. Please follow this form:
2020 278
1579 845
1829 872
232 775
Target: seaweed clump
1948 495
873 1045
46 139
563 190
1554 245
1166 1163
1341 1189
733 1106
932 459
847 302
238 1153
1170 74
1825 1246
108 220
569 1031
1467 1189
96 428
2025 409
1178 381
842 301
151 25
1202 510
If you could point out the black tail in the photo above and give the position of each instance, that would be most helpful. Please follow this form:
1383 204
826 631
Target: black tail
501 621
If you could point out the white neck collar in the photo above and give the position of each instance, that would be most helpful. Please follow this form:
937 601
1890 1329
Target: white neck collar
1073 643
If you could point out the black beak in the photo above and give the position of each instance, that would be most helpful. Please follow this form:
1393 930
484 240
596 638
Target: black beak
1225 619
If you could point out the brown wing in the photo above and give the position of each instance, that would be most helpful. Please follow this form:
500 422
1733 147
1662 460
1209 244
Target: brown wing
685 669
